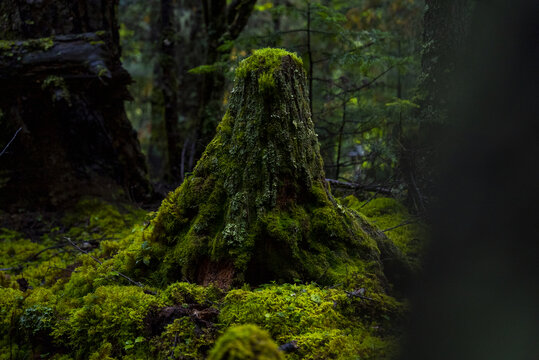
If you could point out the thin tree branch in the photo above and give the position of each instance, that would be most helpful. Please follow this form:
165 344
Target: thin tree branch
10 141
346 52
398 226
100 263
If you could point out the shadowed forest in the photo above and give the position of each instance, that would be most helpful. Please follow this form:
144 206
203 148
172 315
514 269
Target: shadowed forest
268 179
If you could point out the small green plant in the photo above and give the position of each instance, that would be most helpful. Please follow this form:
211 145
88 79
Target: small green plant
36 320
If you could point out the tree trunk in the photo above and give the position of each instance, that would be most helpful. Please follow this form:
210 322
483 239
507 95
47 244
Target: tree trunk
223 25
62 82
444 31
257 207
169 84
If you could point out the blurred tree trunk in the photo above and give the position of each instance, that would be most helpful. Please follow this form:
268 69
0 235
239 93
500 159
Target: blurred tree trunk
223 24
62 82
200 32
444 31
158 147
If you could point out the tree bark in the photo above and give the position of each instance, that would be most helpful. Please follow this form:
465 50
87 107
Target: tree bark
61 80
257 207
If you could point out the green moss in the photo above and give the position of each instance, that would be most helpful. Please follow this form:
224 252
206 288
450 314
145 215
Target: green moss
265 60
112 314
246 342
10 301
257 207
325 323
58 88
25 258
386 213
36 320
11 46
103 353
284 310
185 339
185 293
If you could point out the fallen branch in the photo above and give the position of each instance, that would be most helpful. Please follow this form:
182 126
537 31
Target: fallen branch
10 141
18 267
398 226
356 187
32 257
360 293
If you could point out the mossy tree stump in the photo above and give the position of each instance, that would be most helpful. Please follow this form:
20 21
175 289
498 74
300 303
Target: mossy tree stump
257 207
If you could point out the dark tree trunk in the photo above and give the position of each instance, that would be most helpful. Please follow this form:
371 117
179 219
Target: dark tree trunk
444 32
169 84
62 82
157 150
203 37
223 24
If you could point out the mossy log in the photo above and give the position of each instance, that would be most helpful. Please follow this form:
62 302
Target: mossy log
76 56
257 207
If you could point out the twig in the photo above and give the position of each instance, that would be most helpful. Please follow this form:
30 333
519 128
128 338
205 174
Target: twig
82 251
10 141
397 226
100 263
18 267
30 258
358 293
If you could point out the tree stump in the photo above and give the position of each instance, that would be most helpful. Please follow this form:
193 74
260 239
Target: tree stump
257 207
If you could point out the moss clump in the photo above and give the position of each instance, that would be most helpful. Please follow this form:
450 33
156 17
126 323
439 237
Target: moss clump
58 87
325 323
9 47
185 293
267 60
386 213
112 314
257 207
186 339
245 342
264 63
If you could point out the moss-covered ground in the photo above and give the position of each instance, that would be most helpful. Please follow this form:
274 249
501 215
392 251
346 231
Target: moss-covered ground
75 293
283 270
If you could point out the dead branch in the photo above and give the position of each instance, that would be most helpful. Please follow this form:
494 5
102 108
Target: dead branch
101 263
398 226
10 141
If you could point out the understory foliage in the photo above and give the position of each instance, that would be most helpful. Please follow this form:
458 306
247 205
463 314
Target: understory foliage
63 304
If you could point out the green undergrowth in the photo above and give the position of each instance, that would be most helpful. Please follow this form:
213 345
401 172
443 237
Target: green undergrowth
62 303
409 233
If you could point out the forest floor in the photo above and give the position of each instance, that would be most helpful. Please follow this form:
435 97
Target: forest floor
69 291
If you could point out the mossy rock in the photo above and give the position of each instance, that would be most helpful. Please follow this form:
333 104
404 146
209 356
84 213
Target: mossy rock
245 342
257 207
